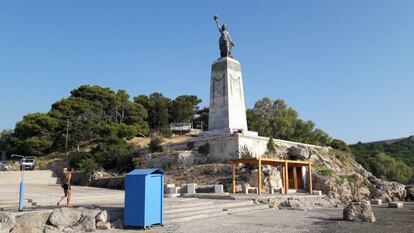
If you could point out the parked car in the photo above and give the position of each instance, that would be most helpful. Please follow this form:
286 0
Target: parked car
28 163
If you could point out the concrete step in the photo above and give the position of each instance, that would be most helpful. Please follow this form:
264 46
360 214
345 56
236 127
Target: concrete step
254 207
207 210
192 207
196 217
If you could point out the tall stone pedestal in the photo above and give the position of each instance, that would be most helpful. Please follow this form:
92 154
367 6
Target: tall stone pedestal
227 108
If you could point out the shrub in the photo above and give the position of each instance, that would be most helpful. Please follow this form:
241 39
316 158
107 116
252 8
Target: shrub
108 152
125 163
155 144
271 148
204 149
189 146
340 145
166 132
76 159
340 181
245 153
326 172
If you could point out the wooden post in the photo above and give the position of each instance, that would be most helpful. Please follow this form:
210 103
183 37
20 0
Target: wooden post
286 177
233 178
259 182
310 177
295 178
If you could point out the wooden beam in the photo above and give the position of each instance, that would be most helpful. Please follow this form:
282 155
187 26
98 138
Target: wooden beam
295 178
233 178
286 177
310 177
259 182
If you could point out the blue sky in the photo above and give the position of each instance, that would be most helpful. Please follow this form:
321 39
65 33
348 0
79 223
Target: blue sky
346 65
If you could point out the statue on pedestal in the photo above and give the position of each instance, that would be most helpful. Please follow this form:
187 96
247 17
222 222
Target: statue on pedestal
225 42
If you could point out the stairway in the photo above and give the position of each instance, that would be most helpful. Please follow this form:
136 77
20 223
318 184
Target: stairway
188 209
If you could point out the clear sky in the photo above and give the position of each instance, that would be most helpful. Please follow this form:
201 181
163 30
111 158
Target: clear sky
346 65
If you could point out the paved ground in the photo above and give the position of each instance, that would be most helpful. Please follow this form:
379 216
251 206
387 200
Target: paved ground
48 195
269 220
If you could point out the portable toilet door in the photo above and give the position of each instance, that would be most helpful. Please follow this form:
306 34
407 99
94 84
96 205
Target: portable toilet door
144 197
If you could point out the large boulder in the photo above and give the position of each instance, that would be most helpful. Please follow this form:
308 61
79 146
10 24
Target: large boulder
26 229
6 218
51 229
35 219
86 224
389 191
65 217
298 153
359 211
410 191
6 227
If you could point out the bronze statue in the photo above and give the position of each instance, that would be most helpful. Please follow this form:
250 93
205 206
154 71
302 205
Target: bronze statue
225 42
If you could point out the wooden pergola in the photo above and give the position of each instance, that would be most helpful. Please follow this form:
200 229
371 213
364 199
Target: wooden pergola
273 162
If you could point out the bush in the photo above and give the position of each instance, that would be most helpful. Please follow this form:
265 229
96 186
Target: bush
204 149
125 163
107 153
340 145
189 146
76 159
155 144
245 153
271 148
326 172
388 168
166 132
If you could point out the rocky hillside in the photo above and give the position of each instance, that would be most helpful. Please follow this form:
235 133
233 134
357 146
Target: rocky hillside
335 172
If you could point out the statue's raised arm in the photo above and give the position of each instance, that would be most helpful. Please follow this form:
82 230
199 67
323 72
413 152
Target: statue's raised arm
225 42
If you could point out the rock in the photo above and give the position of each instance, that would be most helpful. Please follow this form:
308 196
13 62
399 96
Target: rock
410 191
64 217
6 218
103 225
293 203
376 202
275 202
5 227
25 229
372 179
51 229
395 205
119 223
85 224
102 216
89 212
389 191
359 211
35 220
298 153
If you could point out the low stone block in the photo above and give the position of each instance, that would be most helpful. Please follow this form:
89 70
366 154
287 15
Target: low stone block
376 202
218 188
317 192
191 188
395 205
170 186
170 190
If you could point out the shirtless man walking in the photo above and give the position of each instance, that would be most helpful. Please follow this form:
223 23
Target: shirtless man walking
67 176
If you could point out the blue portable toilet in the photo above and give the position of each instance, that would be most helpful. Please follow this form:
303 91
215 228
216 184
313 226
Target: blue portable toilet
144 197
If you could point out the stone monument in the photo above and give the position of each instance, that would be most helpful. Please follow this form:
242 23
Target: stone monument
227 108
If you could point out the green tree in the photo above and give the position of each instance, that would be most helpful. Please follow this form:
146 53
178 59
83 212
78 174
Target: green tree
271 147
340 145
276 119
111 154
157 107
388 168
201 118
184 108
34 135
